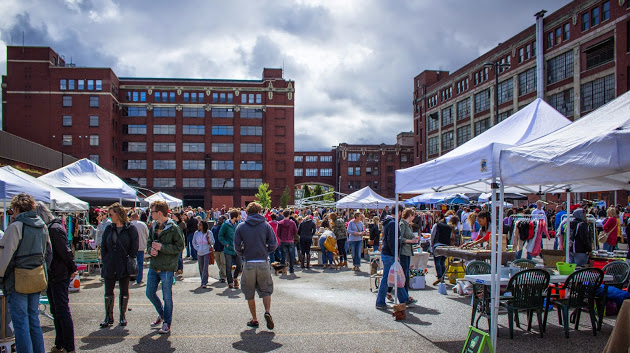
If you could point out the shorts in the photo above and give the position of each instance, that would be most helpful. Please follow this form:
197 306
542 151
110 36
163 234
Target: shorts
256 278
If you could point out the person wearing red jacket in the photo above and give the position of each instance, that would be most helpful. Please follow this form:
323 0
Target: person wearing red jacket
287 230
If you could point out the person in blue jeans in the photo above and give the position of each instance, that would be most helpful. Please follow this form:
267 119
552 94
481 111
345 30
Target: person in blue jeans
27 239
165 244
327 256
356 231
387 257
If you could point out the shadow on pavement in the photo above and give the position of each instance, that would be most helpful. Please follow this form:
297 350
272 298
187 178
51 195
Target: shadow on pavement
200 290
230 293
103 338
420 310
254 342
150 344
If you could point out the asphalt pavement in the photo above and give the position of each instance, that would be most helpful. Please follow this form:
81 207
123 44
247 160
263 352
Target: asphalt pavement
314 310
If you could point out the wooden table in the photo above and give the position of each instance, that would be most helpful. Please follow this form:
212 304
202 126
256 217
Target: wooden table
465 254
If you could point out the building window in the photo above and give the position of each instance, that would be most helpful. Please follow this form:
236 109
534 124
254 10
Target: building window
403 158
247 113
251 165
560 67
135 164
163 182
506 90
562 102
527 81
141 181
447 141
171 97
90 85
585 21
197 164
164 147
447 116
482 101
311 159
164 129
605 11
463 134
222 147
598 92
251 148
521 55
566 32
193 182
357 170
433 121
67 101
94 140
528 51
350 170
223 130
504 115
325 172
311 172
164 112
134 111
93 120
186 97
481 126
80 85
66 120
298 172
251 131
99 85
222 112
222 183
375 171
354 157
62 85
135 129
164 164
595 17
549 40
250 183
194 112
93 101
194 130
193 147
433 145
325 158
134 146
71 88
67 140
558 35
463 109
298 159
371 157
94 158
600 53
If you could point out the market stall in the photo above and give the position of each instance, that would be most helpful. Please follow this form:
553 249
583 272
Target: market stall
171 201
12 185
365 198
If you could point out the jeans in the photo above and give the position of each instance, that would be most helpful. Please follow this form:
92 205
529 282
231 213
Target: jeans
555 242
403 297
180 263
578 259
342 247
153 279
355 247
288 253
203 261
440 266
405 262
190 249
275 255
327 256
60 309
24 310
140 260
608 247
520 253
229 259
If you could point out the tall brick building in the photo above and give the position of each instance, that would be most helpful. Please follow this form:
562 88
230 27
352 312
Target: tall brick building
208 141
575 58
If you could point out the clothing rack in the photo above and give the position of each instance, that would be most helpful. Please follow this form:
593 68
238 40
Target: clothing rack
589 219
521 217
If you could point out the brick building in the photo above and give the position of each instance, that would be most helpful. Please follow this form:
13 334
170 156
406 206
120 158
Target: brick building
584 64
210 142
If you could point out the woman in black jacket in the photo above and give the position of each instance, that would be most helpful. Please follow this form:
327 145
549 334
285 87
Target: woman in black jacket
120 241
60 271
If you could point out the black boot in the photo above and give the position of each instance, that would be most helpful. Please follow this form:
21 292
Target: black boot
109 311
308 261
123 301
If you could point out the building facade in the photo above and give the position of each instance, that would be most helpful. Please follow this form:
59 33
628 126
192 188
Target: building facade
585 64
210 142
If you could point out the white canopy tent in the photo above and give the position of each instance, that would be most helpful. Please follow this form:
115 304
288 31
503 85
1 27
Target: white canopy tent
485 197
11 185
59 200
428 198
364 198
172 201
86 180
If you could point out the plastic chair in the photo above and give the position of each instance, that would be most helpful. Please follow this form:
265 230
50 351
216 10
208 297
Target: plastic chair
528 293
580 286
477 268
524 264
620 271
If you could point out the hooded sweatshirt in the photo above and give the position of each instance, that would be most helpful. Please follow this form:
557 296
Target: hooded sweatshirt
286 230
389 236
580 238
307 228
254 239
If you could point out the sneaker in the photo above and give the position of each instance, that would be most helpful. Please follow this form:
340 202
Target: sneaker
222 280
411 302
235 283
157 322
381 306
166 328
179 272
54 349
390 298
269 321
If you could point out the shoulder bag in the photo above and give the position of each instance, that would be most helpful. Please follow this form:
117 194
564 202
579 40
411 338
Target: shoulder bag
30 281
603 236
132 262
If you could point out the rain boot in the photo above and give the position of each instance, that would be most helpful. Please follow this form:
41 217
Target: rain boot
308 260
123 302
109 311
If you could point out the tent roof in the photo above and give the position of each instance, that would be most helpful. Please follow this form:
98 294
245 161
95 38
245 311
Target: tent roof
471 166
364 198
59 200
588 155
428 198
86 180
12 184
172 201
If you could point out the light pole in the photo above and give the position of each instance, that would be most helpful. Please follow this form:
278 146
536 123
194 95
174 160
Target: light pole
61 137
496 66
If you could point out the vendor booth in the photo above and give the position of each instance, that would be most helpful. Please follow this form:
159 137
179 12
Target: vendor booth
365 198
171 201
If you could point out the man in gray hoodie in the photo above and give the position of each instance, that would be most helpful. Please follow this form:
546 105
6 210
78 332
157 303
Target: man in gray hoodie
254 240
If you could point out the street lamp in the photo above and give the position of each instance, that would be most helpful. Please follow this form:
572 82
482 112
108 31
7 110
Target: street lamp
496 66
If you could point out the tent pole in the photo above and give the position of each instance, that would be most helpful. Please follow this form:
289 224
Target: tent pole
494 305
395 252
568 236
497 294
5 217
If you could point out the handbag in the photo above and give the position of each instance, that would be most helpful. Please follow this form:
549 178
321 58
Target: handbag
132 262
30 281
603 236
211 261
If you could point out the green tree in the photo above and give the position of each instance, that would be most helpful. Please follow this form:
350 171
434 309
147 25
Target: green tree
263 195
285 197
307 192
317 191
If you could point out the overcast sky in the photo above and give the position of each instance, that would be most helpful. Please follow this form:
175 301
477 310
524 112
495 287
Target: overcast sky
353 61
